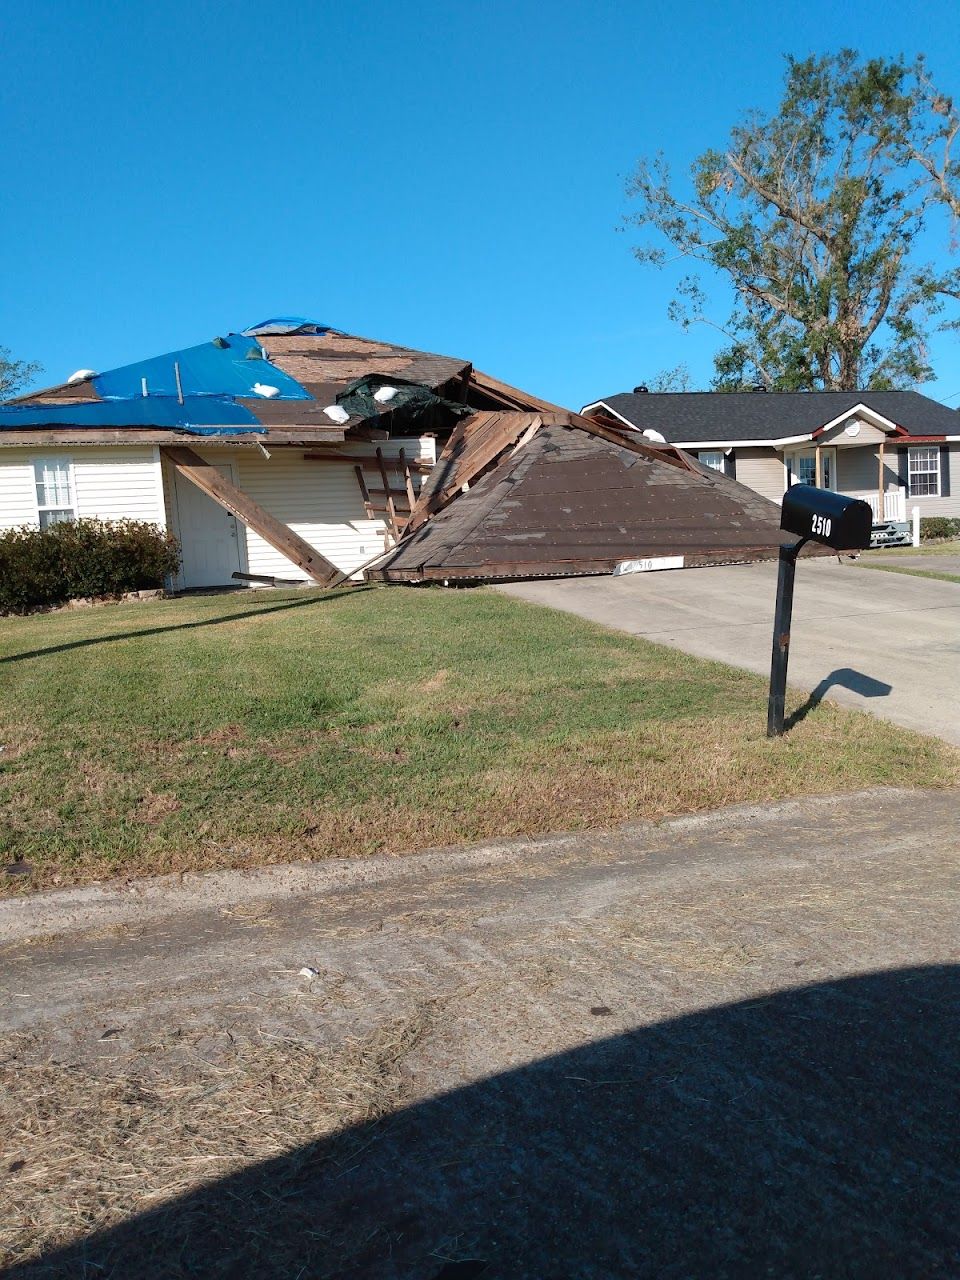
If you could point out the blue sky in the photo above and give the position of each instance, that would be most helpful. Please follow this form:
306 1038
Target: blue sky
446 176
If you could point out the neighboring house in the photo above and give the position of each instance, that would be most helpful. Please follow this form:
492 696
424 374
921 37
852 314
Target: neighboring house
260 451
895 449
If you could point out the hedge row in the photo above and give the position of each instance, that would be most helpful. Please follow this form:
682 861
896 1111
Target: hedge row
44 567
938 527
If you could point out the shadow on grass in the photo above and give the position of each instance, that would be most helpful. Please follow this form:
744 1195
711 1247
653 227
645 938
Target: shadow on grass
842 678
183 626
810 1132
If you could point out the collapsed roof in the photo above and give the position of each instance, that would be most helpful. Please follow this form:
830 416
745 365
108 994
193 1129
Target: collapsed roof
523 487
519 495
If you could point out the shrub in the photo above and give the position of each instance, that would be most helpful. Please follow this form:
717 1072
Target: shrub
938 527
44 567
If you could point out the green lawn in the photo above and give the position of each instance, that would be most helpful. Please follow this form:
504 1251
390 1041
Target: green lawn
950 548
913 573
930 552
236 729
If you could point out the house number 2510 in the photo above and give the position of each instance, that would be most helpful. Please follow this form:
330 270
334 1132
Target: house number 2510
821 525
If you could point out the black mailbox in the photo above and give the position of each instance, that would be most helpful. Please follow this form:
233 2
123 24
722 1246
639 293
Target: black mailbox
817 515
824 516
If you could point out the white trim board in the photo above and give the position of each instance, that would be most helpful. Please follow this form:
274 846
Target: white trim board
875 419
692 445
602 404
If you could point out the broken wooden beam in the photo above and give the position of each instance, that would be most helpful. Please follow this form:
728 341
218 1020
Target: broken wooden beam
280 536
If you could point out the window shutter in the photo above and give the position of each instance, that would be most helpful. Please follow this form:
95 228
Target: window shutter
944 471
730 464
903 475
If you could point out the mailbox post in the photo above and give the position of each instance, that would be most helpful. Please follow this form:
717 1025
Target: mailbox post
815 515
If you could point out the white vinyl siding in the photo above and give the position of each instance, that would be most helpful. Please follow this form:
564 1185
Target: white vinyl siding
858 470
107 484
18 495
867 435
319 500
119 484
762 470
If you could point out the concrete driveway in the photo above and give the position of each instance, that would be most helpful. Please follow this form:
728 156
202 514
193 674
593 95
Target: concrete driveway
887 643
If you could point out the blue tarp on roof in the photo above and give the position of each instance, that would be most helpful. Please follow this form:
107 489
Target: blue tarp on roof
198 415
285 324
224 367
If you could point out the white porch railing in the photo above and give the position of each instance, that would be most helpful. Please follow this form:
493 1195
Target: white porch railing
894 504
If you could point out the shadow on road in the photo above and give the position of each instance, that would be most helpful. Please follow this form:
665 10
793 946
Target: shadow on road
842 678
808 1133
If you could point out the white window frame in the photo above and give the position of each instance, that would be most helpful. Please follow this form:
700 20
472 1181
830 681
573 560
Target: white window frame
716 454
44 507
828 455
934 470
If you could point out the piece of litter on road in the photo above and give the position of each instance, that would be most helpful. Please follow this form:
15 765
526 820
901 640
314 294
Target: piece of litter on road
601 1011
648 565
307 972
112 1033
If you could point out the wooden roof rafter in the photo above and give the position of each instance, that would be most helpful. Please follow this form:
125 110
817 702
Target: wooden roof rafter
280 536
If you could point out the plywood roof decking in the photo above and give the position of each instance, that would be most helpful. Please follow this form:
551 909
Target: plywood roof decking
474 444
502 393
328 361
82 392
572 502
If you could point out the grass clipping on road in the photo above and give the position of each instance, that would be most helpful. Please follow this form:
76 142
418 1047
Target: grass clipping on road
94 1147
235 730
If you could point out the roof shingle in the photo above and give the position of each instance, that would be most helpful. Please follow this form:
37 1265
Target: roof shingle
701 416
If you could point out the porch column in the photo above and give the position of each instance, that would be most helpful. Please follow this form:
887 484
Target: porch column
819 472
880 512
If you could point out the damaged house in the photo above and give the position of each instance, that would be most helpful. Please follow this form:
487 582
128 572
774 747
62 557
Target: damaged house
293 451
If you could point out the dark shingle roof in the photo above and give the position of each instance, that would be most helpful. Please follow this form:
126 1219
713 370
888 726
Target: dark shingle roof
696 416
572 502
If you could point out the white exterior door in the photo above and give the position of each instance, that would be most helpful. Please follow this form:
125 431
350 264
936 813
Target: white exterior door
209 536
802 467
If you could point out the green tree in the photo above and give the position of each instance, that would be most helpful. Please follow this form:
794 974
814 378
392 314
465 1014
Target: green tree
813 215
15 374
676 379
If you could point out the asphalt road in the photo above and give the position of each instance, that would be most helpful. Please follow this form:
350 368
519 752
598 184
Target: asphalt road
888 643
721 1047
